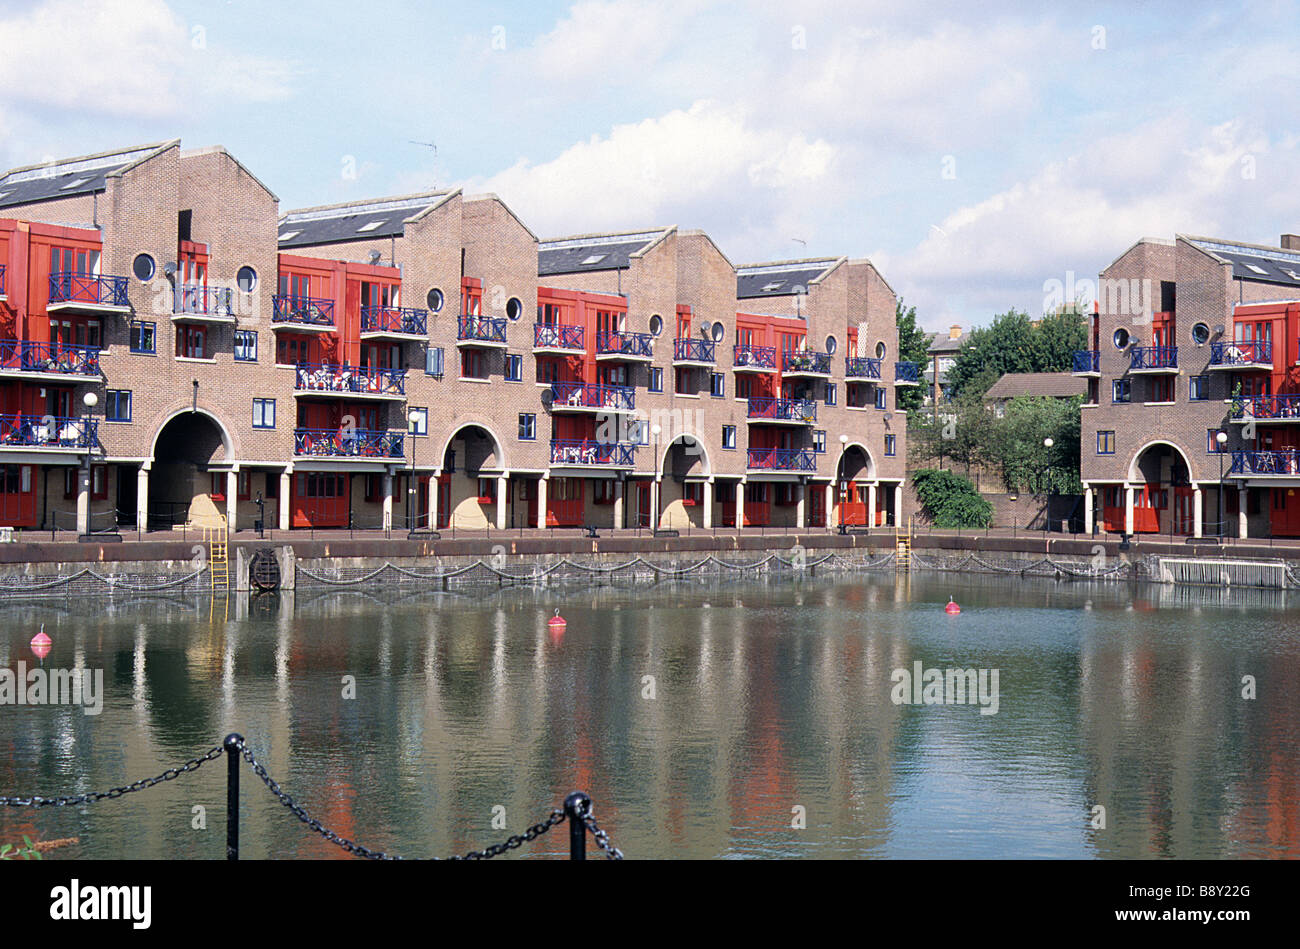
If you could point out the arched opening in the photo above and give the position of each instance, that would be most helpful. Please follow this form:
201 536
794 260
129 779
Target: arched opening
182 488
686 470
854 478
1163 497
467 489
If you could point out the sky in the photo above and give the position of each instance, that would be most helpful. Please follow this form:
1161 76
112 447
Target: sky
980 154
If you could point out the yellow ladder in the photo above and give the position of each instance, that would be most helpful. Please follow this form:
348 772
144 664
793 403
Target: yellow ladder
903 546
218 541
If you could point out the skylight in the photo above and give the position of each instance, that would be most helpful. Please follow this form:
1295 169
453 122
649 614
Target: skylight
290 234
74 184
370 226
593 259
1259 270
774 285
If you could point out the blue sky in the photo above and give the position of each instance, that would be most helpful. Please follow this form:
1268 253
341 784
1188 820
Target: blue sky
974 151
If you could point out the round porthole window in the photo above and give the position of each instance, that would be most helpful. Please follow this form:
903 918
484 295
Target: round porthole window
1120 338
717 331
1200 334
246 279
514 308
144 267
880 350
434 300
831 343
656 325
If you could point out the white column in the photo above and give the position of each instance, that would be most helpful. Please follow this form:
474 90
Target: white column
800 493
433 501
654 503
142 499
708 504
503 494
1128 509
83 500
541 501
740 504
898 504
620 489
1242 518
282 502
871 505
1087 511
232 499
1198 507
388 487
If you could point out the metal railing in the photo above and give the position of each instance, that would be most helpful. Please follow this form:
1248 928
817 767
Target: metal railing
353 443
394 319
305 311
588 396
796 361
693 350
557 336
1266 407
1266 462
624 344
364 380
782 459
907 372
1153 357
481 329
61 358
204 301
573 451
1241 353
49 431
89 289
785 410
759 357
861 367
2 280
1087 360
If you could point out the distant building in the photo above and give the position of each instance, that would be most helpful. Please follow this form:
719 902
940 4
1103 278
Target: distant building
942 354
1012 385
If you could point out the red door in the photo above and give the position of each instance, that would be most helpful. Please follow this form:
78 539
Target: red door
1284 512
853 504
320 499
816 505
444 501
1147 502
1184 510
18 495
643 504
564 503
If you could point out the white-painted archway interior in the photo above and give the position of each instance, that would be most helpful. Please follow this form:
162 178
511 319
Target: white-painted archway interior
856 463
685 456
477 449
1158 461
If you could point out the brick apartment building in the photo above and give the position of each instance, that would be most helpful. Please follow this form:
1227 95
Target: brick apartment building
172 348
1194 338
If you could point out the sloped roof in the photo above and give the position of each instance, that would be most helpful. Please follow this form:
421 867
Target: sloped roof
355 220
1254 262
781 278
70 177
588 252
942 343
1058 385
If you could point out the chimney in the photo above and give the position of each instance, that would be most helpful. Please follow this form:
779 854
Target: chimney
1291 241
954 331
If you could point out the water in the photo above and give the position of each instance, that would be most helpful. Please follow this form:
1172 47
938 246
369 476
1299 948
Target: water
767 699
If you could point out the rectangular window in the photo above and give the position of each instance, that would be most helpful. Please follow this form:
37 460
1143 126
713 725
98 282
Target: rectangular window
99 482
473 364
1120 390
819 442
245 479
246 345
527 426
487 490
728 436
117 405
1105 443
786 495
693 493
1198 388
418 421
602 491
218 487
744 387
831 393
1161 390
143 338
264 413
433 361
638 431
681 381
880 397
890 442
1212 441
192 342
717 385
514 367
656 379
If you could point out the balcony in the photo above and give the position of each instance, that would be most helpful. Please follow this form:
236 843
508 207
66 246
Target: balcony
555 338
587 454
1284 463
197 304
357 443
350 382
693 352
806 364
907 374
1241 355
783 411
624 347
52 361
1266 408
393 322
302 314
2 283
584 397
481 331
87 293
782 459
1087 362
1153 360
754 358
861 367
49 432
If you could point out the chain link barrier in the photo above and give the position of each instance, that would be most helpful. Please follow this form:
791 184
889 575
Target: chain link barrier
90 798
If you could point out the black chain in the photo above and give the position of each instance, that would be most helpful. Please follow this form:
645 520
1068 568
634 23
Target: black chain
532 833
168 775
602 838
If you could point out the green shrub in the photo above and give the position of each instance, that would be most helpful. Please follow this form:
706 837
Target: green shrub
950 500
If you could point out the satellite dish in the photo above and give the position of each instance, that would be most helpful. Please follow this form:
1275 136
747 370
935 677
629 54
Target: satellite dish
374 257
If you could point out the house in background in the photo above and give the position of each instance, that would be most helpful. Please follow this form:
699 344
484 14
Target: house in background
1012 385
941 356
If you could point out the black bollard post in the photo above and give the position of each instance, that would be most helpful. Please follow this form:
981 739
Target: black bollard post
233 744
576 807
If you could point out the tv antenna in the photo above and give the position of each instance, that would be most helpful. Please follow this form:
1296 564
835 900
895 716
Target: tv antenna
425 144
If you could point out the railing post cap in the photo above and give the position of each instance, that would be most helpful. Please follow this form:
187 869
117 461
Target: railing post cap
577 804
234 742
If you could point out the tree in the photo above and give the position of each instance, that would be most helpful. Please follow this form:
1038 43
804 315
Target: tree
1015 444
950 500
913 346
1012 344
961 433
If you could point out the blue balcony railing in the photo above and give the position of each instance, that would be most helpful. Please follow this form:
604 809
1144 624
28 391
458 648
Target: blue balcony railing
907 372
480 329
202 301
1153 357
1266 462
624 344
572 451
795 361
693 350
394 319
861 367
1087 360
88 289
756 357
783 410
556 336
48 431
361 380
581 395
304 311
1264 407
1241 353
782 459
2 280
356 443
59 358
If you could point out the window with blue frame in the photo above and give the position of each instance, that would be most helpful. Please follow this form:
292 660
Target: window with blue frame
831 393
890 443
1198 388
880 397
527 426
717 385
728 436
514 367
246 345
144 338
819 442
117 405
433 361
264 413
1105 443
1212 442
1121 390
656 379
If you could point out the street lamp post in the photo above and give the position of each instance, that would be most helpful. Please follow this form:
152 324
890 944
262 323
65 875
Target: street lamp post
657 484
844 442
411 416
1047 495
90 400
1221 439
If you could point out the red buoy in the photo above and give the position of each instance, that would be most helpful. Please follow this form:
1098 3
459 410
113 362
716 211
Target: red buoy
952 609
556 623
41 644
